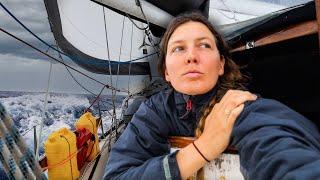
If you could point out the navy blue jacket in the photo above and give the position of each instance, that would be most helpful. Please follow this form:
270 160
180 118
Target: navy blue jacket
274 142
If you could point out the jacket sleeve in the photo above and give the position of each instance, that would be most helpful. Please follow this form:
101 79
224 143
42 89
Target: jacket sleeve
142 151
275 142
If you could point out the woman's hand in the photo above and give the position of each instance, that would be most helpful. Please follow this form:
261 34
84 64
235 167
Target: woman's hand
216 134
219 123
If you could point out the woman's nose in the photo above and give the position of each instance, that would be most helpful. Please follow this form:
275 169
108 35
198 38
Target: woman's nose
191 57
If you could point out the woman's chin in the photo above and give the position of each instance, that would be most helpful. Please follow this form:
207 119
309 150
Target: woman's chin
193 87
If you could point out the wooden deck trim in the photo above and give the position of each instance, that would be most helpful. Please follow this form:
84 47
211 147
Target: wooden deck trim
182 141
293 31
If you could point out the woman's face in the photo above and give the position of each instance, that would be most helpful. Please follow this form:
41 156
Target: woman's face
193 62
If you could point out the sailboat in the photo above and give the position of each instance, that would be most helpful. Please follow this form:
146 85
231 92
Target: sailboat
270 40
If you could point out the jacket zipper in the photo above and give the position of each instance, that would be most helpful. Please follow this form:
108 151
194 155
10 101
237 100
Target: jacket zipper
188 108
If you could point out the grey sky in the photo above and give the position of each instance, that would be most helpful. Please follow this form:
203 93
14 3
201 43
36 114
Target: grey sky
32 14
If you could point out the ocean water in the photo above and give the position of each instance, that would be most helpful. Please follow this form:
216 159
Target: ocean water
26 110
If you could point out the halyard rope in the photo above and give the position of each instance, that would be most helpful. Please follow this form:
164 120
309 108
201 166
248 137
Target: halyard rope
18 160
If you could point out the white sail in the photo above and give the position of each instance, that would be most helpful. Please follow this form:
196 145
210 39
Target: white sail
230 11
154 14
83 26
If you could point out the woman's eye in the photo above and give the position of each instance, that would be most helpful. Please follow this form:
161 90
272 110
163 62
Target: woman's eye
177 49
205 45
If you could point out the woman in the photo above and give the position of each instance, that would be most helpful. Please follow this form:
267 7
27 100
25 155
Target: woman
205 100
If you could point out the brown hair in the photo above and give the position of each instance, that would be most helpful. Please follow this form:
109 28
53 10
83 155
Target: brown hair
232 77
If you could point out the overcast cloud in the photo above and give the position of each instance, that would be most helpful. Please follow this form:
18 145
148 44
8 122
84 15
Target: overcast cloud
32 13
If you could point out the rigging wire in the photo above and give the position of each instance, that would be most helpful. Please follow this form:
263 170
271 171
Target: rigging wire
126 99
145 29
130 58
57 60
113 116
82 86
74 78
107 42
95 99
100 119
144 16
132 21
34 126
148 33
106 144
110 133
114 95
55 49
120 51
43 113
138 3
125 102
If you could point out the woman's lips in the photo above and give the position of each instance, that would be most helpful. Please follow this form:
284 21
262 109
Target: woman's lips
193 74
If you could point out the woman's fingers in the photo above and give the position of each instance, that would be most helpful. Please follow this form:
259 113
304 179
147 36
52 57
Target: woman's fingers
234 98
220 121
230 107
234 114
238 100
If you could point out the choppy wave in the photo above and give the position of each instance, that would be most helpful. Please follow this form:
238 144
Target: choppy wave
63 110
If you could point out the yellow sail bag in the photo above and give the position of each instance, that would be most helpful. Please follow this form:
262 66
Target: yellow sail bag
61 152
88 121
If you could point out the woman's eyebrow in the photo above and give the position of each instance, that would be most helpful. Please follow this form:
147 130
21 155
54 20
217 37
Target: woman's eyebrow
170 44
180 40
175 42
203 38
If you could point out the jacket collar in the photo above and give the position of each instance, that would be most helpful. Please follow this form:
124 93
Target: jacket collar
201 99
